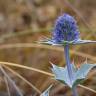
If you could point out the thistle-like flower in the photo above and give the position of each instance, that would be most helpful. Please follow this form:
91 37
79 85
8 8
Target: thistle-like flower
65 29
66 32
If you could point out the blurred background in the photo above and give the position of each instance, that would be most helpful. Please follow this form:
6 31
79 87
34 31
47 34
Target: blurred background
23 22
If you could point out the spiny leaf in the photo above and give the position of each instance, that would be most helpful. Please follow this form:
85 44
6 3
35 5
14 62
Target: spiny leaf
61 74
80 41
83 70
74 42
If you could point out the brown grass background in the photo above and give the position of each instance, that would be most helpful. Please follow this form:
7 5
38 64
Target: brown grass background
27 21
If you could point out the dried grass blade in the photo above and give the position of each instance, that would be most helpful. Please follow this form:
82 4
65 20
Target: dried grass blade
21 77
11 81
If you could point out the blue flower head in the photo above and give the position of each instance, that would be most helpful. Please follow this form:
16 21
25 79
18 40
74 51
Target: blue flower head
65 29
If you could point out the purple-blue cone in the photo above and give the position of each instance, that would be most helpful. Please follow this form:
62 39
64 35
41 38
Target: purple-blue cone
65 29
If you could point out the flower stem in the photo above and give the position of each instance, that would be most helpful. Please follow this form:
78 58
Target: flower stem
74 90
69 68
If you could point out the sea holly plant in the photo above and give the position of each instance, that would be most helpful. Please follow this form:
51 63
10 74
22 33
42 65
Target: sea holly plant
66 33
